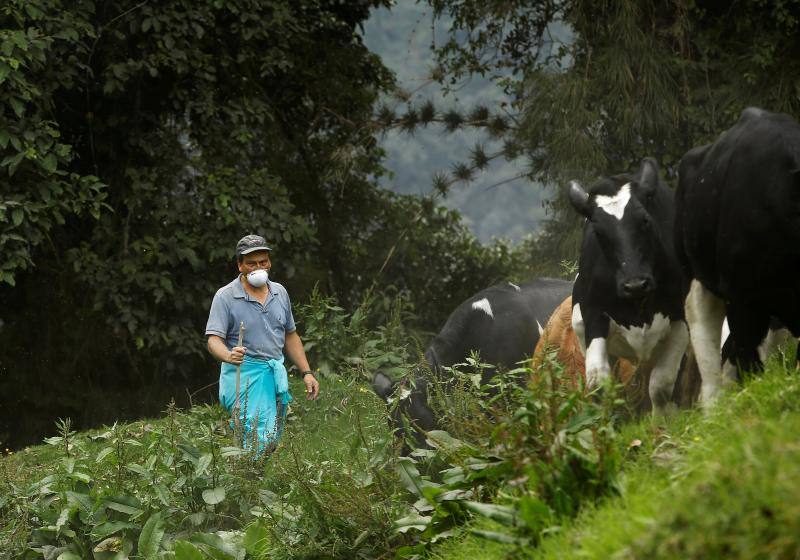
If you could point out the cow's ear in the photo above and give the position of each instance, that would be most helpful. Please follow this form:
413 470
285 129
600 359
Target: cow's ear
648 176
383 386
579 199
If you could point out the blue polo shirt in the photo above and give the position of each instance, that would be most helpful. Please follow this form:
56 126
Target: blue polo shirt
265 326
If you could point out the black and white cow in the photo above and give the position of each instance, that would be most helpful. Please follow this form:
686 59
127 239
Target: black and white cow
502 323
737 234
628 297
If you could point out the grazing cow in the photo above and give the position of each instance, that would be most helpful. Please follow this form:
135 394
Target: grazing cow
502 323
737 235
628 297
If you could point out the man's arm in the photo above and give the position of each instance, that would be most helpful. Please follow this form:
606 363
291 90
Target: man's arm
294 349
217 348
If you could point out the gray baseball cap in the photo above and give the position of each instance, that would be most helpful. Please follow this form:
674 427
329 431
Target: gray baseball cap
251 243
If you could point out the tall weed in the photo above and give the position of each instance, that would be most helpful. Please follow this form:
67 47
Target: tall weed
524 456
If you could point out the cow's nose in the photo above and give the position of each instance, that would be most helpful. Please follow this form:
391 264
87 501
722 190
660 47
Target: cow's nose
639 286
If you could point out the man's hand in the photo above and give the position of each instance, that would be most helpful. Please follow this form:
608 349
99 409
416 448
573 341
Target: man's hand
312 386
236 356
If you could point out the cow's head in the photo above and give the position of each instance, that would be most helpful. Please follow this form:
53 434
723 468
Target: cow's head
407 400
620 211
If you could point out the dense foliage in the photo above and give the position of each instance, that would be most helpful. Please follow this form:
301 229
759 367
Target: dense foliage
139 141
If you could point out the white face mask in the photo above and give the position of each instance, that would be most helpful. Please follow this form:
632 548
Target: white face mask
258 278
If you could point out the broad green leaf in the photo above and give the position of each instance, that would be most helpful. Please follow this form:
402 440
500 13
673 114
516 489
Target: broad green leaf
213 495
108 528
82 500
119 504
233 451
103 454
412 521
138 469
163 494
63 518
228 542
4 137
256 540
151 536
442 440
189 451
499 537
17 105
83 477
409 475
203 463
68 556
49 162
185 550
502 514
16 218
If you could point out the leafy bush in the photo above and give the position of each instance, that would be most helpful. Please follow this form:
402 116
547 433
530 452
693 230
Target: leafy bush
531 456
352 343
177 488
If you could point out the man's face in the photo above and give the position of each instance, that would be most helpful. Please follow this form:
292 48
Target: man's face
254 261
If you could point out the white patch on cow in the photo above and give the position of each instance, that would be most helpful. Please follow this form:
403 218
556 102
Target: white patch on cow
539 325
726 332
514 286
483 305
597 368
579 327
615 204
705 314
638 343
665 367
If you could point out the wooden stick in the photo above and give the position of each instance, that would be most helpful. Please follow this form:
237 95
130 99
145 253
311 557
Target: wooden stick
236 420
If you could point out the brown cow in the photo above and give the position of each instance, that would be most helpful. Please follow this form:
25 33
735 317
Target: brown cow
559 337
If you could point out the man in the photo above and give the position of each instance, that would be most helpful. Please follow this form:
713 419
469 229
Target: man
263 308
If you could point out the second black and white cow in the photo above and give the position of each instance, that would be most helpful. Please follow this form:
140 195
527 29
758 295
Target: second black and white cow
502 323
737 233
628 297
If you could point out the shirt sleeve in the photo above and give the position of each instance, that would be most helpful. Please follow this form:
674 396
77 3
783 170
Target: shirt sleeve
218 317
290 326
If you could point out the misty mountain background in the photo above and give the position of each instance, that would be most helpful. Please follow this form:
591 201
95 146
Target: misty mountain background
402 37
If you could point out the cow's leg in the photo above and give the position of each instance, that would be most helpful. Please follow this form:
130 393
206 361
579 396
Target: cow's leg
748 330
591 330
578 327
705 313
666 365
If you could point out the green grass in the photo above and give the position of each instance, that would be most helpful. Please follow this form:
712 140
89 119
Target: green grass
325 452
718 484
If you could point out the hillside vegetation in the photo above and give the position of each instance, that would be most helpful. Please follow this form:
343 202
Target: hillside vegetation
535 473
716 484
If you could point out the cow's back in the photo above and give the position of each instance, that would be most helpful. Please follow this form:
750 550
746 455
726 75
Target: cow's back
738 212
502 323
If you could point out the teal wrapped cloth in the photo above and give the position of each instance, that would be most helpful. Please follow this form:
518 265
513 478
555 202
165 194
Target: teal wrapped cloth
264 389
